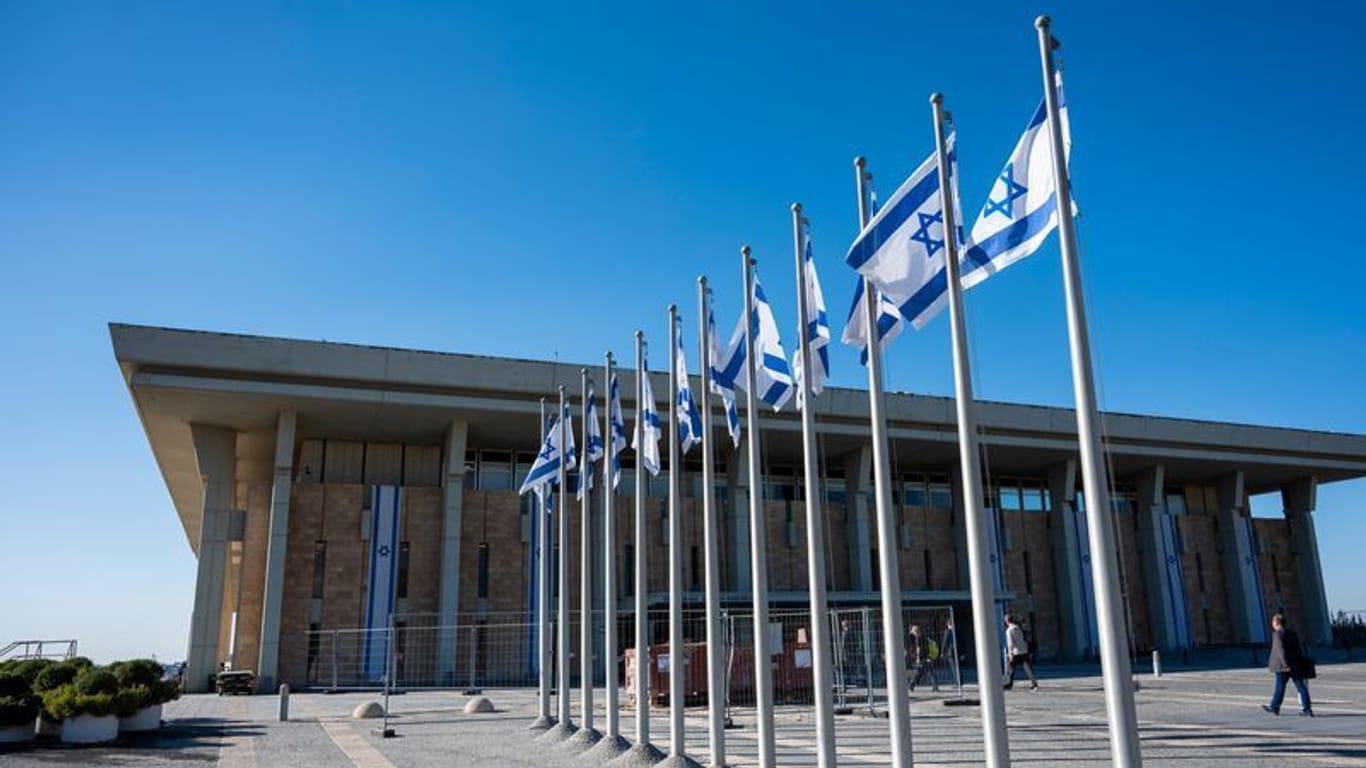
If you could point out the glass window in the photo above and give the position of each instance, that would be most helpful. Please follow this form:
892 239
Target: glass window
1034 499
1009 496
913 490
940 496
469 481
1176 504
495 471
834 491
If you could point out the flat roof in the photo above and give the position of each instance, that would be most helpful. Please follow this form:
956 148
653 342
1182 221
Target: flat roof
380 394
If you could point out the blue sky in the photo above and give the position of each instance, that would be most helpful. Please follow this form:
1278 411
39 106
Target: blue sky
540 181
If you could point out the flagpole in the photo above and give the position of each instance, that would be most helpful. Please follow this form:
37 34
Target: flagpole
642 546
566 719
815 529
996 742
716 674
676 661
758 537
543 720
609 570
889 575
1119 693
586 731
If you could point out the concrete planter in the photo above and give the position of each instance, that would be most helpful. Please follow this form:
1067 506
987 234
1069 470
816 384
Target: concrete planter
146 719
15 734
89 729
48 727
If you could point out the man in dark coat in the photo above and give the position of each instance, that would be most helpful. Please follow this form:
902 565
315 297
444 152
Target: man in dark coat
1287 662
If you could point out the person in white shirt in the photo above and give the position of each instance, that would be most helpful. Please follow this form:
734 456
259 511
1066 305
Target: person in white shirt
1017 654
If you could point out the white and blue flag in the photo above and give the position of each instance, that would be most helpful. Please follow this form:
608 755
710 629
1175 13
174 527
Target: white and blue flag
593 452
817 324
725 367
889 323
772 374
689 421
902 249
647 423
1023 205
545 470
617 429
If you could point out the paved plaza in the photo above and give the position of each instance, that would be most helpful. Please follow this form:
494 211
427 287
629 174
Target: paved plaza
1187 718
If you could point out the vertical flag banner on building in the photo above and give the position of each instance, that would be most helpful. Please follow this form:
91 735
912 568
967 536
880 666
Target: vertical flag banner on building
545 470
817 323
593 451
617 430
648 415
380 596
1022 207
1252 580
902 249
772 374
725 368
689 421
1174 582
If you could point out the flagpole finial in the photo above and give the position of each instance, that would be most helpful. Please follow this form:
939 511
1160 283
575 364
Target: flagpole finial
609 357
936 98
860 162
1043 22
745 251
640 334
796 207
702 280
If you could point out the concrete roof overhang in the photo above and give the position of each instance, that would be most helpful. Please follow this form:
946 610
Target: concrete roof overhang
376 394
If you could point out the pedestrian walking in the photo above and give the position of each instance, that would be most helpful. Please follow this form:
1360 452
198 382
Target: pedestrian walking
1287 661
918 659
1017 654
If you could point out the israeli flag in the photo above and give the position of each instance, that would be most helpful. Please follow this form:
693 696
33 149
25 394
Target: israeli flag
689 421
889 323
647 423
902 249
617 428
725 367
817 324
1022 207
545 470
772 374
594 450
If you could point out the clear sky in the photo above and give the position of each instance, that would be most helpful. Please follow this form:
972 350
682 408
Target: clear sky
538 181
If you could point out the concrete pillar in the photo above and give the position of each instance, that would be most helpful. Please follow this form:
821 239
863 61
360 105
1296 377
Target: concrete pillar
1237 559
452 497
1162 603
858 483
216 453
268 664
1300 498
1072 611
737 479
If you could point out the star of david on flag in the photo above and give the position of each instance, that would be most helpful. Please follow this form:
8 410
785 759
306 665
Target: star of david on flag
647 424
902 249
1022 207
617 429
545 470
725 367
689 421
817 324
594 450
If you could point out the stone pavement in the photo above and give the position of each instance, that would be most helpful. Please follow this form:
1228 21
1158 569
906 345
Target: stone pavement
1189 719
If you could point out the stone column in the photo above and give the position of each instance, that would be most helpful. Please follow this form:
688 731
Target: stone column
1062 493
268 663
737 481
216 453
1162 605
858 482
1300 498
452 497
1236 553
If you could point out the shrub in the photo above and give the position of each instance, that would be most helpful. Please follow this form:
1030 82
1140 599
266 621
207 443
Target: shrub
18 703
55 676
135 672
67 702
29 668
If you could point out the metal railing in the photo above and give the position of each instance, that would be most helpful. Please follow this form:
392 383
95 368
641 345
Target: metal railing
39 649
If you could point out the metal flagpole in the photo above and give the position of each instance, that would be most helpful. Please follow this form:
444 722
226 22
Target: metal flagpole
815 528
566 720
676 662
758 537
996 743
889 575
1119 693
609 547
585 567
716 673
544 720
642 547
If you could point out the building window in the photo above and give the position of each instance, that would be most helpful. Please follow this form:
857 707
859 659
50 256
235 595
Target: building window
482 580
939 495
495 470
913 490
402 569
1034 499
470 480
319 567
1009 498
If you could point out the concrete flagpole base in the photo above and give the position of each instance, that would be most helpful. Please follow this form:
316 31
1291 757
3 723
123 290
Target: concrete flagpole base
558 732
679 761
609 748
582 740
639 756
541 724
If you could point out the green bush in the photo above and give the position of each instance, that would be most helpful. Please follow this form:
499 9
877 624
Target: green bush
67 702
135 672
55 676
18 703
96 680
29 668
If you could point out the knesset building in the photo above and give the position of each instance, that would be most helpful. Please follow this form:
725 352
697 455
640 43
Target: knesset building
272 448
